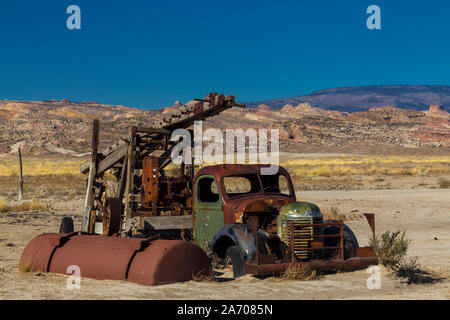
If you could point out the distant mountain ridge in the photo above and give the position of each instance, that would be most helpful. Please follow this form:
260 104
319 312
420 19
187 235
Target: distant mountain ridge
360 98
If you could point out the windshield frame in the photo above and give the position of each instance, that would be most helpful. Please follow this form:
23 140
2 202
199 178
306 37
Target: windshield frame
261 187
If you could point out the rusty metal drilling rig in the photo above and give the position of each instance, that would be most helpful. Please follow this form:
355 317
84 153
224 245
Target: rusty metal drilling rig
141 191
139 197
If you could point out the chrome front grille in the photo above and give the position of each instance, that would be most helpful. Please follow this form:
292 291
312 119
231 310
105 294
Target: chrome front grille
304 233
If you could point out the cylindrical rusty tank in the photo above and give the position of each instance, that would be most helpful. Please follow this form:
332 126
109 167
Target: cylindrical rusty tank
144 261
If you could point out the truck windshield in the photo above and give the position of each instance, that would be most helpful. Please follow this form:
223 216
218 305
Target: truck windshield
244 184
277 183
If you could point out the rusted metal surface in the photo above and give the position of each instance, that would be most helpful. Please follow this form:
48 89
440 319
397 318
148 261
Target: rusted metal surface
38 253
111 216
365 256
150 183
365 252
341 242
145 261
168 261
371 220
241 204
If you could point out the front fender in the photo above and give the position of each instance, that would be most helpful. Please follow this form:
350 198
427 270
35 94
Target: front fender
237 234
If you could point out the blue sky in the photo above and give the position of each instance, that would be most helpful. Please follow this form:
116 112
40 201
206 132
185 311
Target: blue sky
150 53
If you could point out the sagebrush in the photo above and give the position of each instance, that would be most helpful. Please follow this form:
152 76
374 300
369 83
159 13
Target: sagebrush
391 248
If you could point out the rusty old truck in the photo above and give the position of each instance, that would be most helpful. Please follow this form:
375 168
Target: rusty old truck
148 223
255 224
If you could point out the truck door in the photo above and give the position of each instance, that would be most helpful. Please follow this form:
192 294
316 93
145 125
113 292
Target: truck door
208 213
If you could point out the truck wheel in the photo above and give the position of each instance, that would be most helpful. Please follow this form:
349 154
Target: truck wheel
350 241
234 260
66 225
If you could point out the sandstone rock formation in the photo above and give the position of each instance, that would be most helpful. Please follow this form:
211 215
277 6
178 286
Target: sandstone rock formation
58 127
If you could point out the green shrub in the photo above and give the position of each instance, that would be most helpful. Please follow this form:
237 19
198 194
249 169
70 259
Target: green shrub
390 248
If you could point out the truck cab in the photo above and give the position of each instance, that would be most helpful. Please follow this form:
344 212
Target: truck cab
228 194
236 206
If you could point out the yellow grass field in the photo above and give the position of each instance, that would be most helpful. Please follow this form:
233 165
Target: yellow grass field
35 166
344 165
369 165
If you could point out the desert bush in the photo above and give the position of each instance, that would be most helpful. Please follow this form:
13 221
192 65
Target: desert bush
297 271
390 248
444 183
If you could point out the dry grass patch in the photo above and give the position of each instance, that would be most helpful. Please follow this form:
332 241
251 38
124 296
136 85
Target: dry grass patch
45 186
333 213
444 183
26 267
3 204
299 272
33 205
38 166
369 165
204 276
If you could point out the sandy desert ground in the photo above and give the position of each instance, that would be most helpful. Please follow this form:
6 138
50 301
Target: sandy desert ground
423 213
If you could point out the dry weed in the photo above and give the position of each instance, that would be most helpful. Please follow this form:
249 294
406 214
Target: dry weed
33 205
299 272
444 183
333 213
26 267
204 276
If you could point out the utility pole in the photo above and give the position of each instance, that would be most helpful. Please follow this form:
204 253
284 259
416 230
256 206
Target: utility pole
20 176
